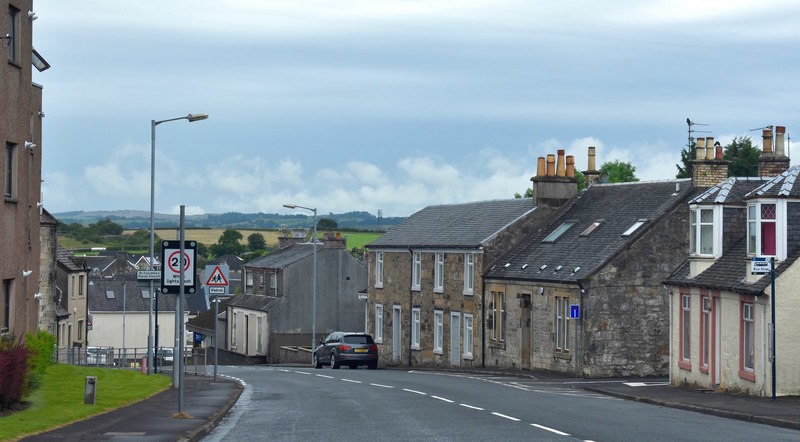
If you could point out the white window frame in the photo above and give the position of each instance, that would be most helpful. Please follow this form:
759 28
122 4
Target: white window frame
469 273
748 337
273 280
469 324
438 273
633 228
705 329
438 331
234 322
416 271
248 278
14 46
756 223
686 328
10 174
696 234
415 328
562 323
378 323
497 331
378 270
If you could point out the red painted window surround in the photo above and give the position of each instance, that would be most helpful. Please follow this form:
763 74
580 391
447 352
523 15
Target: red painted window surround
747 375
684 364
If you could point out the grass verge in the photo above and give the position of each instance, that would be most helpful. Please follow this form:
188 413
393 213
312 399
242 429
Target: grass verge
59 399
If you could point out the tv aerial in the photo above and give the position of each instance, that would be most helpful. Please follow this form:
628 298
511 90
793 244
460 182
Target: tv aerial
691 123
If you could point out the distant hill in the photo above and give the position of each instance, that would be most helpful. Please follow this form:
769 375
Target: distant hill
140 219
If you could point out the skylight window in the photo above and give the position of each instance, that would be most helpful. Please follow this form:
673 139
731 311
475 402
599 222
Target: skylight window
110 294
558 231
634 227
591 228
146 294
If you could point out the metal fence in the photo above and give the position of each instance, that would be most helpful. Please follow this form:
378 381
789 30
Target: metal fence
195 359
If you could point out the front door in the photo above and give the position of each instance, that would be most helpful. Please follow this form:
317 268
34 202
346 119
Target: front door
715 360
455 338
525 336
397 329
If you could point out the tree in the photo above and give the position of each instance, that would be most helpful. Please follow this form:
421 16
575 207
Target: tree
228 243
326 224
256 242
743 157
618 171
687 156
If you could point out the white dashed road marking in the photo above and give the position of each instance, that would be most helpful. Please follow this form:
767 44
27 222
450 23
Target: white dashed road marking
442 399
414 391
505 417
381 385
472 407
350 380
552 430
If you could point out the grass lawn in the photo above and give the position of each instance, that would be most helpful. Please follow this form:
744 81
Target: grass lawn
59 399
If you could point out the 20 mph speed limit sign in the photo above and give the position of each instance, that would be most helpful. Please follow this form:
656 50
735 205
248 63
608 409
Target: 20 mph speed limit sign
172 261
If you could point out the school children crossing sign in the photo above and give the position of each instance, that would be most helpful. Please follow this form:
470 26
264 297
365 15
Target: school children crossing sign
217 281
172 262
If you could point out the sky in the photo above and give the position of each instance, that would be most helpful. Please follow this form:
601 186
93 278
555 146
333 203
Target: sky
373 105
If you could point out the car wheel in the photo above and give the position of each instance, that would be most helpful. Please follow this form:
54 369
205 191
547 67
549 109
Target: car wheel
317 363
372 365
334 362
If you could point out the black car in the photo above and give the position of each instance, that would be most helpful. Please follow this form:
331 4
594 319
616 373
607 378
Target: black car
351 349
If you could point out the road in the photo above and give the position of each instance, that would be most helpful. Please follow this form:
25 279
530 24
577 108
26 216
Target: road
300 404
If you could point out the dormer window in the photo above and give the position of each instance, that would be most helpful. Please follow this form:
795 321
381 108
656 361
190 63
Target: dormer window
763 234
701 236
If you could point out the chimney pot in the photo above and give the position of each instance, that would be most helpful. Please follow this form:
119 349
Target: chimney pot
709 148
701 149
779 132
540 167
560 168
570 166
717 151
591 167
766 135
551 165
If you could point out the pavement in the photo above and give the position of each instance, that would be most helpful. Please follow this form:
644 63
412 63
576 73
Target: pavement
207 402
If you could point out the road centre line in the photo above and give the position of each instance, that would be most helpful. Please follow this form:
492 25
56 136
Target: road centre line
284 370
324 376
350 380
504 416
415 391
442 399
302 372
472 407
552 430
381 385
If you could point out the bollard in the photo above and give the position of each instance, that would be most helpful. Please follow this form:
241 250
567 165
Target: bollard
144 365
90 390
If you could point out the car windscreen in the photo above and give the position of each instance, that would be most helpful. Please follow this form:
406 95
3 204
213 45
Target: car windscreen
358 339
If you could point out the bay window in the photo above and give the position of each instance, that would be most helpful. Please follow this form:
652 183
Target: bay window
763 229
701 238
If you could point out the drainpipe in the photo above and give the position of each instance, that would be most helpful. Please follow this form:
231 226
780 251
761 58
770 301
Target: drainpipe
582 322
669 306
483 321
410 302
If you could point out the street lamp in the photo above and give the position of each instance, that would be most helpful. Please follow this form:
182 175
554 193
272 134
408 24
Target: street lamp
314 277
153 124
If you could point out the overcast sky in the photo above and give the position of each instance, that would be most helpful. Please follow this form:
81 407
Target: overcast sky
367 105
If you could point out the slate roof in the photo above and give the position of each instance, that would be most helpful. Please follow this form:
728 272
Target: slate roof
253 302
67 259
730 272
730 192
616 207
233 262
134 301
46 217
196 303
204 322
281 258
782 186
101 263
465 225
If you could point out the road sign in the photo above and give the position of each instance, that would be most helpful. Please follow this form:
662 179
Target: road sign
217 278
172 261
759 265
574 311
216 290
148 275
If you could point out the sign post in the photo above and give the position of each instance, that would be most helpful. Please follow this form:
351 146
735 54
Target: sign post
575 314
173 266
217 284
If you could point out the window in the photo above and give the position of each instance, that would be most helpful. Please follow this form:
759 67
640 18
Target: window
761 229
416 271
747 354
705 329
81 281
273 280
249 278
233 329
686 333
497 317
260 335
10 180
468 326
13 31
415 328
591 228
379 269
562 324
438 331
6 305
80 330
469 273
439 273
701 239
558 231
379 323
634 227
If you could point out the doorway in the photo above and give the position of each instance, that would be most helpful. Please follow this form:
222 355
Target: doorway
455 338
397 329
525 332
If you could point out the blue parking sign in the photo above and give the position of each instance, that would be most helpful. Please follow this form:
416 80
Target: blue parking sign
574 311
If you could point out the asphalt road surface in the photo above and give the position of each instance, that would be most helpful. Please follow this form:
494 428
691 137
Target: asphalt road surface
301 404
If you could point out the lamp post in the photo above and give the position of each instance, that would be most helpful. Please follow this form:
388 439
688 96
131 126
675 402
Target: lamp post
153 123
314 277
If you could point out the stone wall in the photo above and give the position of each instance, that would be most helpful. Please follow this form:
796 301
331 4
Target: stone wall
709 173
772 165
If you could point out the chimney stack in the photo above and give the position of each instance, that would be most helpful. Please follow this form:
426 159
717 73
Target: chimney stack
771 163
709 167
591 174
551 165
554 185
560 167
570 166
